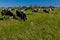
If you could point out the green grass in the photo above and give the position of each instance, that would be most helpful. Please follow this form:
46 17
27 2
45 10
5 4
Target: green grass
40 26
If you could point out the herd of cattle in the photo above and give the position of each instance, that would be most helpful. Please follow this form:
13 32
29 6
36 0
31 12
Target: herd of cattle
20 13
8 12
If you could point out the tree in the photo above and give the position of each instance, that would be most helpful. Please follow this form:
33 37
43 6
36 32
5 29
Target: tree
36 6
30 6
51 6
24 7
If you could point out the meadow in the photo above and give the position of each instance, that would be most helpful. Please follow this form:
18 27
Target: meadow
39 26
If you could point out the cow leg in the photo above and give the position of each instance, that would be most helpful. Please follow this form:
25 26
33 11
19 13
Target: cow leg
10 17
14 17
24 18
4 17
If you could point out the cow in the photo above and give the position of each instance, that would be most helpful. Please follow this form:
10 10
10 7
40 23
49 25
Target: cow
51 9
21 14
27 8
7 12
12 8
35 10
46 11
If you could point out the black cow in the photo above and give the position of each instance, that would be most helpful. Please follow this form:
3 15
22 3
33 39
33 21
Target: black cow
21 14
7 13
12 8
27 9
46 11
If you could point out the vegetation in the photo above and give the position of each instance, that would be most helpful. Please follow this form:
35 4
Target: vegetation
39 26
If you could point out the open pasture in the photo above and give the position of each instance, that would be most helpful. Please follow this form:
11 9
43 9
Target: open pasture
39 26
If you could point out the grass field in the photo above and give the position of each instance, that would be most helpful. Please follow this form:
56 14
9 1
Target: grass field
39 26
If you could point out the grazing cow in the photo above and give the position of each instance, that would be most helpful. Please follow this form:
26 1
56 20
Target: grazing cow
7 12
27 9
21 14
35 10
12 8
51 9
46 11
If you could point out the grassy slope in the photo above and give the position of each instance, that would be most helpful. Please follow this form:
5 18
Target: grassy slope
40 26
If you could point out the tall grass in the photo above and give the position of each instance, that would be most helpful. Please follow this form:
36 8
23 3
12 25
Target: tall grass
39 26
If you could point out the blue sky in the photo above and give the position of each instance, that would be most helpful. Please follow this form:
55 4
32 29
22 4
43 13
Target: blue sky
7 3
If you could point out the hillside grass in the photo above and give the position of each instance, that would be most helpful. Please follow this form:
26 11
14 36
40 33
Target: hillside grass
39 26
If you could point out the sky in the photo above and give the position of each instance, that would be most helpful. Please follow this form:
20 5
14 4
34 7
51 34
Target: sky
12 3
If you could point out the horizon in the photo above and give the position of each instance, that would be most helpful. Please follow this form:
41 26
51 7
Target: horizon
16 3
